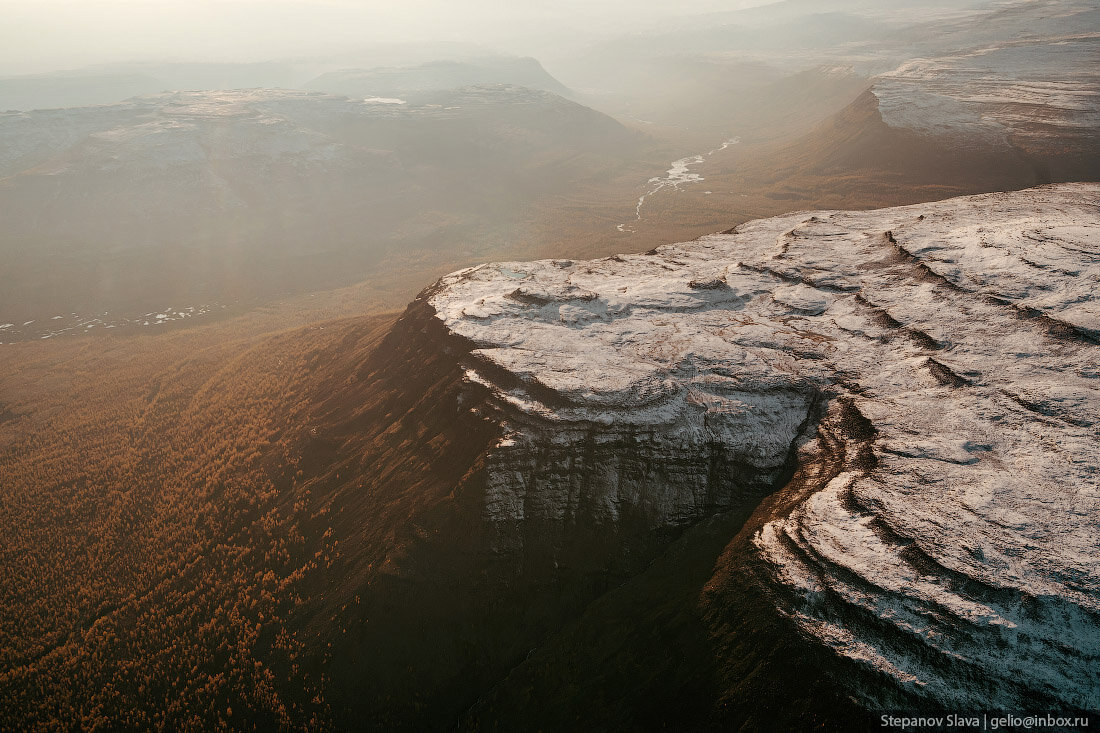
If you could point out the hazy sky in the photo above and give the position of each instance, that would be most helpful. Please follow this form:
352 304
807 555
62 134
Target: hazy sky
44 35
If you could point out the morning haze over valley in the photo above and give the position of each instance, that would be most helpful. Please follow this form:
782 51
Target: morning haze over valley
550 366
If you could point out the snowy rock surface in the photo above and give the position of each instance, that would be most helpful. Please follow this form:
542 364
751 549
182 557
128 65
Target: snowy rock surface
963 564
1036 90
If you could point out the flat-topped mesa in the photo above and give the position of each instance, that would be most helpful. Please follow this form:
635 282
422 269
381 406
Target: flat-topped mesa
611 407
959 561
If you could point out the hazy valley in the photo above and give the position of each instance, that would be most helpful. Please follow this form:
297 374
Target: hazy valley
738 371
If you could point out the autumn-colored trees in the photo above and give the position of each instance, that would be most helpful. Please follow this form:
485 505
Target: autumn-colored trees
153 537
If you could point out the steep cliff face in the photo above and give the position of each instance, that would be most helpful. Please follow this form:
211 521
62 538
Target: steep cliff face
1032 92
473 523
820 465
949 553
614 449
479 510
632 434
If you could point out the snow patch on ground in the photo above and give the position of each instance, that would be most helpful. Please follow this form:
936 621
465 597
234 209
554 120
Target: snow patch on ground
74 324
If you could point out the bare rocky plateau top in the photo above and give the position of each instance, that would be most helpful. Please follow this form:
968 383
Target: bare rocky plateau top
960 560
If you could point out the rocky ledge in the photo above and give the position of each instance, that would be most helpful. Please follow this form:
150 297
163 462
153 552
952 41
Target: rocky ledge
956 562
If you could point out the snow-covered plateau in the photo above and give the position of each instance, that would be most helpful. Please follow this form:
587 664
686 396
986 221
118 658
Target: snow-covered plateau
1036 91
999 73
956 559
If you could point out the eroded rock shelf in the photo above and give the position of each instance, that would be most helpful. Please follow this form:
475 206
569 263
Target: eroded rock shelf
959 560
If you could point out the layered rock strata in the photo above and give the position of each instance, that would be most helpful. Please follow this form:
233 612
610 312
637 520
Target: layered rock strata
957 559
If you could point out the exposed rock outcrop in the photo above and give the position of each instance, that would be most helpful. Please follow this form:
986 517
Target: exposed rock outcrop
953 555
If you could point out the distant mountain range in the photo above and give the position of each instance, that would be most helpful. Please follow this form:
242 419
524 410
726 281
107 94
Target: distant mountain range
207 196
414 81
656 75
118 82
115 83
